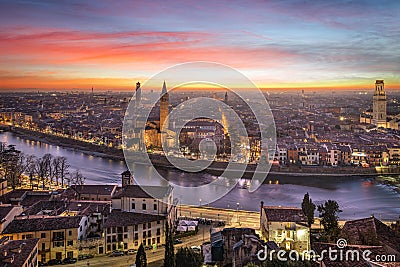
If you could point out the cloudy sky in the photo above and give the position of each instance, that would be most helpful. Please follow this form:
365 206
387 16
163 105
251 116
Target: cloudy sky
277 44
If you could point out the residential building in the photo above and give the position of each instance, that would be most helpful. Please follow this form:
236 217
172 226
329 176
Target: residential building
233 247
154 200
286 226
127 230
58 235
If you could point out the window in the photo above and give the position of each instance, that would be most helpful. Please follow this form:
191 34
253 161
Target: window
149 233
158 240
155 206
158 231
136 227
158 222
108 230
136 236
70 232
144 242
144 206
43 235
144 234
136 243
70 243
144 226
125 245
133 206
43 246
70 254
125 235
108 247
125 229
149 225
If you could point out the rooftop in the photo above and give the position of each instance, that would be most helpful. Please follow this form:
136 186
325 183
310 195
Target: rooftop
285 214
14 253
24 225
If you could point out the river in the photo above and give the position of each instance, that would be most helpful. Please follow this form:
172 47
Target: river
358 197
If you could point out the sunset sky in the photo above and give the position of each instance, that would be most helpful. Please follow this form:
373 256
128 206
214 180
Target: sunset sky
277 44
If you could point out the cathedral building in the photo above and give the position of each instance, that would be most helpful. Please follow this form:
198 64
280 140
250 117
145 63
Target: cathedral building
155 135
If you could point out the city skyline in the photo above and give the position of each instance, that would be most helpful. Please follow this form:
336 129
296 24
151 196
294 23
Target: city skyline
73 45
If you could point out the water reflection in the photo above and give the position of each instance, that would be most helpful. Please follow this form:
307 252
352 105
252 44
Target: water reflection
358 197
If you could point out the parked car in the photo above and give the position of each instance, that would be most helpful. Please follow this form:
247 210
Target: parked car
178 241
54 262
131 251
196 249
116 253
85 256
69 260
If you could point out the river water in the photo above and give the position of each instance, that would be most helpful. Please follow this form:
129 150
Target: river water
358 197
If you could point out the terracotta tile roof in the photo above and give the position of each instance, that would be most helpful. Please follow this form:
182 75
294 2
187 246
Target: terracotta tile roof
56 207
123 218
4 211
14 253
371 231
31 199
93 189
284 214
42 224
136 191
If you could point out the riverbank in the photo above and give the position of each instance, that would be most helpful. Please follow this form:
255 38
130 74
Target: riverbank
215 168
81 146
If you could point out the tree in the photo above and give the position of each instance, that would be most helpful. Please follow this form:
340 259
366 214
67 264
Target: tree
56 169
48 159
186 257
328 212
42 169
76 178
12 165
308 208
30 168
141 259
169 257
63 169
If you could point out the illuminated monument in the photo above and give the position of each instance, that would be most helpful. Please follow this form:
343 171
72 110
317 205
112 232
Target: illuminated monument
379 105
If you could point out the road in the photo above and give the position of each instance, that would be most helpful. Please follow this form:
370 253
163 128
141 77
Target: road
232 217
154 257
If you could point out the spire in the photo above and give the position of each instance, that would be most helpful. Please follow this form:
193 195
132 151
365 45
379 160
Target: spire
164 88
